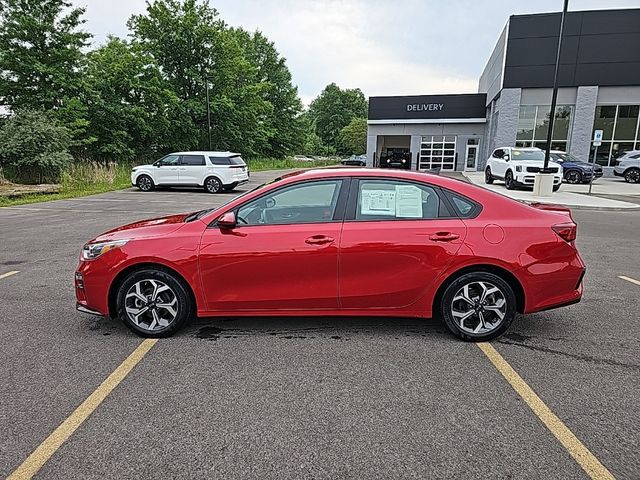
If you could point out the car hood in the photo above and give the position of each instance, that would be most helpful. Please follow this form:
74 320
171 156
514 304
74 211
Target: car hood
579 164
153 227
141 166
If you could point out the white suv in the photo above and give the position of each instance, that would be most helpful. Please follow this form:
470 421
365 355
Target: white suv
215 171
628 166
518 166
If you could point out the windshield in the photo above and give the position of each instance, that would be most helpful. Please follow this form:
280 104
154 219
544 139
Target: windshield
519 154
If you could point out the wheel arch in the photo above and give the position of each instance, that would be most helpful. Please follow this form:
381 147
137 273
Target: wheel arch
119 278
501 272
211 175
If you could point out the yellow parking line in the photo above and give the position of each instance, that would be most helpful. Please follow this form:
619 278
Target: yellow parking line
581 454
8 274
629 279
53 442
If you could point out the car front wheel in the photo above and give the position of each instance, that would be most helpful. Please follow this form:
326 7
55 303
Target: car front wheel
153 303
632 175
478 306
488 178
145 183
573 176
509 182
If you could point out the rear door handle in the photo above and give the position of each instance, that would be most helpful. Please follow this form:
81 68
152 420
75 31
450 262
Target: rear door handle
319 240
444 237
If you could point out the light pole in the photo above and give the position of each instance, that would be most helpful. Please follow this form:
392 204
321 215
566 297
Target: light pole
208 111
554 95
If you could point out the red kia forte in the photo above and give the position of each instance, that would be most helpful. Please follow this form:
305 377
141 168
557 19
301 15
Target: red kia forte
339 242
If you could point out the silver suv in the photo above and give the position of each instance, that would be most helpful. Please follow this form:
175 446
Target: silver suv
628 166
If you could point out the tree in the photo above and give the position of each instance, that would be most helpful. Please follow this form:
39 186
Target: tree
34 145
190 43
133 111
40 53
354 136
333 109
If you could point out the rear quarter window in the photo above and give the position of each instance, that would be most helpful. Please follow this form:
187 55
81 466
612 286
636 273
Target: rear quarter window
219 160
464 207
236 160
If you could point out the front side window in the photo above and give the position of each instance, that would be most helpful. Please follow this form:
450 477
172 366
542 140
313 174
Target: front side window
193 160
396 200
310 202
498 153
169 160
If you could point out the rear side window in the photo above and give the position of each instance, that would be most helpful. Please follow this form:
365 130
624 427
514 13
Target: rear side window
219 160
396 200
195 160
236 160
463 206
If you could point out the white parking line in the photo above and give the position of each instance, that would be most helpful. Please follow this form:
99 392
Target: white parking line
8 274
628 279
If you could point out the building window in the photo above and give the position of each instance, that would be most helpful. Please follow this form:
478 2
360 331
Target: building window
533 126
437 151
619 125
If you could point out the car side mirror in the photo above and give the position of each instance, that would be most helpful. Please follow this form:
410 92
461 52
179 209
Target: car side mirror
227 220
158 165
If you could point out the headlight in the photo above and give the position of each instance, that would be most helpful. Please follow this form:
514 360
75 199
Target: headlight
93 250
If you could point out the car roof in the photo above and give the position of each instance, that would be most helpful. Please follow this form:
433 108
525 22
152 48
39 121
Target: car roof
206 152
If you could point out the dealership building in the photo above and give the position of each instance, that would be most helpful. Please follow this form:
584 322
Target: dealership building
599 89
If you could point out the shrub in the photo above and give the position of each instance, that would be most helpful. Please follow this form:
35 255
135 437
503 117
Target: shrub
34 147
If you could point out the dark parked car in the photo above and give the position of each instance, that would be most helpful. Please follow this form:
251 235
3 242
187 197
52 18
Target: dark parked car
575 170
357 160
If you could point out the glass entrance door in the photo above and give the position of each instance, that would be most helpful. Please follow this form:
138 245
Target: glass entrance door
471 158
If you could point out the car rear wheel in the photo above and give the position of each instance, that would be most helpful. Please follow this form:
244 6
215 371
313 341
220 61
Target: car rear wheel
632 175
478 306
488 178
145 183
509 182
573 176
153 303
212 185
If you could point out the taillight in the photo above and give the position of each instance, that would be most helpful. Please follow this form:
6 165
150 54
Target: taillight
567 231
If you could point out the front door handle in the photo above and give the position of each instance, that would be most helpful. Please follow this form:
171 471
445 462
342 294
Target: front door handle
319 240
444 237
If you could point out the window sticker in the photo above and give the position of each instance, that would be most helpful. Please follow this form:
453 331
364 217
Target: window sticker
378 202
408 201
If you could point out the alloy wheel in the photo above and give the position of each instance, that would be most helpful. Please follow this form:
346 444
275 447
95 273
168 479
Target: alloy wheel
632 176
144 183
479 307
213 185
573 177
151 304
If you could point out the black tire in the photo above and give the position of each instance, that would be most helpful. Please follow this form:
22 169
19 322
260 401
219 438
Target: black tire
509 182
213 185
145 183
183 305
573 177
556 187
632 175
488 178
453 323
229 188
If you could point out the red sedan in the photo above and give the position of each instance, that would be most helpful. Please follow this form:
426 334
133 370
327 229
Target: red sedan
339 242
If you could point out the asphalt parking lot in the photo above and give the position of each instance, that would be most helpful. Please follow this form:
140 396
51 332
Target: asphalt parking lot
308 397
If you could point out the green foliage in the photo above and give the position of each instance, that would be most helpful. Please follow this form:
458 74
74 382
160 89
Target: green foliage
34 146
353 137
333 109
40 53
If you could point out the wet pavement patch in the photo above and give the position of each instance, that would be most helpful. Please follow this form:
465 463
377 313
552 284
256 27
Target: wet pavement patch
209 333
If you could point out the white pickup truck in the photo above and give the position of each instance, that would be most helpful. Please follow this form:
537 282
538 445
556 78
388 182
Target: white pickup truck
517 167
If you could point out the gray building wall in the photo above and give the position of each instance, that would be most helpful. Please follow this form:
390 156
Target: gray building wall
491 78
503 124
582 128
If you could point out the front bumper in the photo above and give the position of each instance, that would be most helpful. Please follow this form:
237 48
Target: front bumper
529 178
84 309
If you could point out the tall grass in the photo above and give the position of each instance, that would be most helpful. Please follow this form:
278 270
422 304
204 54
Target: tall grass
258 164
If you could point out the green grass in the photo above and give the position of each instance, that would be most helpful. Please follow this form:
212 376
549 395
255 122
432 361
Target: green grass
80 180
255 165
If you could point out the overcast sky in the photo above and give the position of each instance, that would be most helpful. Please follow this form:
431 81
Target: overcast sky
384 47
